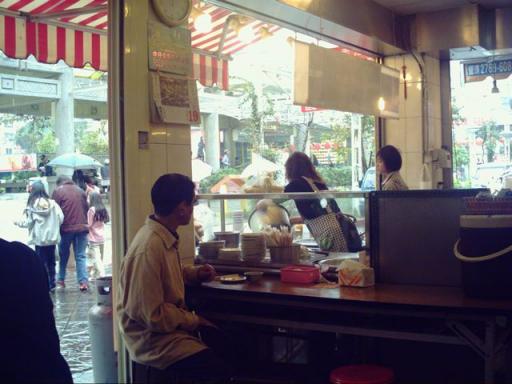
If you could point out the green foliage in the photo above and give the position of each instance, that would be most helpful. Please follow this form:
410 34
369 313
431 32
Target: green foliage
23 175
32 133
254 128
461 184
270 154
490 134
460 164
94 143
457 118
207 183
340 135
368 141
336 177
48 143
460 155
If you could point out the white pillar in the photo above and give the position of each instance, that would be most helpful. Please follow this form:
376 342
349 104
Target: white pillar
212 140
65 114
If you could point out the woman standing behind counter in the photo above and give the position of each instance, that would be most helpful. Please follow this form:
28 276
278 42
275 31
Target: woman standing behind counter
389 162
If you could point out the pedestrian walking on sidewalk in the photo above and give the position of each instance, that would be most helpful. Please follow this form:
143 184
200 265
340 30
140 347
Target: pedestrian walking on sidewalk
43 217
74 229
97 216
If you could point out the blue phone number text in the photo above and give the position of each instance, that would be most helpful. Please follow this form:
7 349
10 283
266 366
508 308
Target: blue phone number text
482 69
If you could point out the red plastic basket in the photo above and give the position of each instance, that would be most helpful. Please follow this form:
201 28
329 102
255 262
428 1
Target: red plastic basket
303 274
495 206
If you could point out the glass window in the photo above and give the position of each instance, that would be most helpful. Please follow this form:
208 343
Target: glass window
249 130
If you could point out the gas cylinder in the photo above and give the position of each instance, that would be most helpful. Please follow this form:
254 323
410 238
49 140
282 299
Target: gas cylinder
101 333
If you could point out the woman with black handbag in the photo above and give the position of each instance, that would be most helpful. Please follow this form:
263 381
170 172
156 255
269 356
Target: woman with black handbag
332 230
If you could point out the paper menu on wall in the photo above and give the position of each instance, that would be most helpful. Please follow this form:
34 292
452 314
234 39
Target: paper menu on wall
173 99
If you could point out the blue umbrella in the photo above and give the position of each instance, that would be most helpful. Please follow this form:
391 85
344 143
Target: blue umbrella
74 161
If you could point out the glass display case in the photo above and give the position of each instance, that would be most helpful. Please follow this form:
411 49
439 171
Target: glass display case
233 217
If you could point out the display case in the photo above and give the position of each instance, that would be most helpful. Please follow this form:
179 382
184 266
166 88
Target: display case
233 217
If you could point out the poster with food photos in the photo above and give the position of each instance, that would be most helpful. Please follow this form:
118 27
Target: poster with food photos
174 99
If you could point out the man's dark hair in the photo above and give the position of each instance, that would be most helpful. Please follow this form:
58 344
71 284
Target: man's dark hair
169 191
390 157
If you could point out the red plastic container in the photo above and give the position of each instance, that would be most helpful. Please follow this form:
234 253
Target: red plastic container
362 374
304 274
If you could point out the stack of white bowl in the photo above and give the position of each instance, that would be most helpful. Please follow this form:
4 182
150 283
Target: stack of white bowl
229 254
253 247
210 249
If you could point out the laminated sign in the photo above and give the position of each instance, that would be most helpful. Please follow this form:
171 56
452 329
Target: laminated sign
328 79
169 49
174 99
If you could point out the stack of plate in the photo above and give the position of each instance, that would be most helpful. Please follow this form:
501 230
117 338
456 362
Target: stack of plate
229 254
210 249
253 247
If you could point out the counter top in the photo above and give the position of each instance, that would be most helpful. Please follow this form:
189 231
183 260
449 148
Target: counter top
383 294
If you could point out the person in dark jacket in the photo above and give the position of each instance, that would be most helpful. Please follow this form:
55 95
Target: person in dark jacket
73 230
303 177
30 350
298 167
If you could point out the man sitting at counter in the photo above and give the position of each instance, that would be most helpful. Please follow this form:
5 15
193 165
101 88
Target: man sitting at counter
156 325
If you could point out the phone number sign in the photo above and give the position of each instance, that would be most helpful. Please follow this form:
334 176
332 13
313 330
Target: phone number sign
500 69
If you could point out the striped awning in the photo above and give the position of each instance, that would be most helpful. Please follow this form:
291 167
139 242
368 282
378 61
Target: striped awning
210 71
49 43
75 31
231 42
51 30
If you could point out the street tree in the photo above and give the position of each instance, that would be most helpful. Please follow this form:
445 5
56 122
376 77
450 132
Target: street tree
260 107
94 143
35 134
490 134
340 136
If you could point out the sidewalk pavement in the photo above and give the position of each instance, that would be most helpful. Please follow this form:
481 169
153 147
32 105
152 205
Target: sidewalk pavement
71 308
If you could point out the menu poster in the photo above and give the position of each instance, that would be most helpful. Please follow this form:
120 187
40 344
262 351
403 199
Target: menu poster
173 99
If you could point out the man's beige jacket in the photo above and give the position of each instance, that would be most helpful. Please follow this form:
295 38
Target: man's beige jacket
154 321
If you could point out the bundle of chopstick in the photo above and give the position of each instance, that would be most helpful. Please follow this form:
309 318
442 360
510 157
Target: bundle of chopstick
277 237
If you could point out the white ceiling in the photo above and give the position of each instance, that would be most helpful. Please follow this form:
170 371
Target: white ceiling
408 7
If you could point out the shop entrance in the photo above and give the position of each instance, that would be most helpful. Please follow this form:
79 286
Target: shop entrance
54 122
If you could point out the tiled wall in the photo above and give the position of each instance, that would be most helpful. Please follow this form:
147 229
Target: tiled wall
406 132
169 146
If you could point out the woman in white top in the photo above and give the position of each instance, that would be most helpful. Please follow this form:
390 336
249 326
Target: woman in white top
43 217
389 162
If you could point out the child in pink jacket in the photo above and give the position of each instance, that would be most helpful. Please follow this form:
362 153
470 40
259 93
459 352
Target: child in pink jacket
97 216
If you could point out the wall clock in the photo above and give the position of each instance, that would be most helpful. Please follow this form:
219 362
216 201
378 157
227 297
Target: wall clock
172 12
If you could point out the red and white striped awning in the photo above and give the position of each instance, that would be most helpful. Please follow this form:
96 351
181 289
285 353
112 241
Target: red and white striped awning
75 31
210 71
48 30
232 43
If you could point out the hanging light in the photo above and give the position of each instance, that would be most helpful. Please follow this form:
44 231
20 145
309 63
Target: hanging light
381 104
202 20
495 88
203 23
